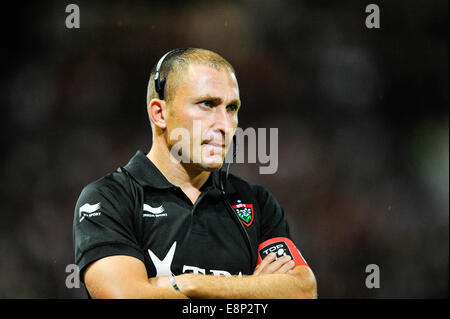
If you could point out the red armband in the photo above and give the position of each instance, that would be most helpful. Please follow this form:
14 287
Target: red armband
282 246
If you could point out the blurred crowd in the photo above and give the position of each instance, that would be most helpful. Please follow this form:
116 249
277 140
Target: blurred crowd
362 116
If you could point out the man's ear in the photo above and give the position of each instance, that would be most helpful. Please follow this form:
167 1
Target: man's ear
157 111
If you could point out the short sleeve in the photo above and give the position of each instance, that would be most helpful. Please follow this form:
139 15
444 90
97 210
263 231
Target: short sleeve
273 220
103 225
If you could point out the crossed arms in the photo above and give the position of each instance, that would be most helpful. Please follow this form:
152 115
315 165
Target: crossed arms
123 277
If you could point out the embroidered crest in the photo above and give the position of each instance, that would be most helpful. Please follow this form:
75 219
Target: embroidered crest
244 212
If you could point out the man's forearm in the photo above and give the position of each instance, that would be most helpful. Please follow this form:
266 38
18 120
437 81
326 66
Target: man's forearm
134 290
300 284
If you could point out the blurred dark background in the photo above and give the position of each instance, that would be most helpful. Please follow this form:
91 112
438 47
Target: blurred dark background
362 116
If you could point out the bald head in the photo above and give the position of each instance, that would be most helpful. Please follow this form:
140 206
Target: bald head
175 67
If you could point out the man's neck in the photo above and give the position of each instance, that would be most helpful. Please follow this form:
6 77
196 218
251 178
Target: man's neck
183 176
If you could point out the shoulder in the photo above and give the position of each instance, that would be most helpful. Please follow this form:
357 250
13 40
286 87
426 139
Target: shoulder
113 187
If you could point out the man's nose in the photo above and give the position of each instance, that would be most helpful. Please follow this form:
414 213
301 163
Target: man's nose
223 119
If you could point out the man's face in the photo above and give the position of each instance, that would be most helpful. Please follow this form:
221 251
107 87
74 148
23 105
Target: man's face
206 105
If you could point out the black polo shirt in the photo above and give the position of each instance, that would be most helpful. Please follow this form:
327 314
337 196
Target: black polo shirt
136 211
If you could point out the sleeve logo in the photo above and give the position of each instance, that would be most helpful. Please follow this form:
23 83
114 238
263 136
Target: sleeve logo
244 212
88 210
281 246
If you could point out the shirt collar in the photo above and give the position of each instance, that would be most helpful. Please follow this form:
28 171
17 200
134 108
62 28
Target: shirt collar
147 174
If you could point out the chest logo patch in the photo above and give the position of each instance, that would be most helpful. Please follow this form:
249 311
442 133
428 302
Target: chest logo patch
244 212
153 211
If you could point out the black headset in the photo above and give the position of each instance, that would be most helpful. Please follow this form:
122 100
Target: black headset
217 193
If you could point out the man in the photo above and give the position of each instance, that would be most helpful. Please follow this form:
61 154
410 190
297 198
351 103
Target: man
164 225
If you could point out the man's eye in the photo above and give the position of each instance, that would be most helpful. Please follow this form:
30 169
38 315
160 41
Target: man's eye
206 103
232 107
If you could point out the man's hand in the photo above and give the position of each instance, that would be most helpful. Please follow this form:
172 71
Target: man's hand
273 265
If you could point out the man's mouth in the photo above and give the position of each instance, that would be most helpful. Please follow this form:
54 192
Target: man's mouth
214 148
215 144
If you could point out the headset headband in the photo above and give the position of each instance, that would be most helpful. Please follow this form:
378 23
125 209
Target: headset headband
159 84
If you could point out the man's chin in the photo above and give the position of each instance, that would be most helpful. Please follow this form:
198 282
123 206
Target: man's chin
211 165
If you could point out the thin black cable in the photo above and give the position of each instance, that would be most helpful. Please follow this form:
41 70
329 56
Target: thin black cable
230 208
